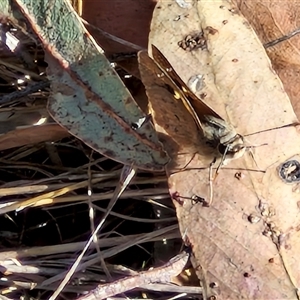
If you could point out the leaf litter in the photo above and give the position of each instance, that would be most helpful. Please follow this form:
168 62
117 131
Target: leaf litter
79 173
45 186
230 250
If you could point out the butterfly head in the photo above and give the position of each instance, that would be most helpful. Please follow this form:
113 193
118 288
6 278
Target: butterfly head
234 148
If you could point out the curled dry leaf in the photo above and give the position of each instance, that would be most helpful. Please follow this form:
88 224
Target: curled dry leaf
232 253
32 135
87 96
11 119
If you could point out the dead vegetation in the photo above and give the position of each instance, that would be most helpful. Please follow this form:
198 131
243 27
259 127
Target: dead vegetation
54 190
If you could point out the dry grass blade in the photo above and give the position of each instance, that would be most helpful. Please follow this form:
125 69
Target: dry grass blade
46 199
125 178
45 178
47 184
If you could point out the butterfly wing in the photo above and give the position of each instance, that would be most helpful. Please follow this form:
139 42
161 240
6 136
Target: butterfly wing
196 107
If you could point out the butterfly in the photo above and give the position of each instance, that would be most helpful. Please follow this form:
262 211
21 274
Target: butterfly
215 129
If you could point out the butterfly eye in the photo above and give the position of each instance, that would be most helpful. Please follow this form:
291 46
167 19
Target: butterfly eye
222 148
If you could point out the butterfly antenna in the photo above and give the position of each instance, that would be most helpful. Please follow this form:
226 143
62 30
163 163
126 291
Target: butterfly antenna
275 128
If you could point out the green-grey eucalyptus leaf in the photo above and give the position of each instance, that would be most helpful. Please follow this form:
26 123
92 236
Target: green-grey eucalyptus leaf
87 96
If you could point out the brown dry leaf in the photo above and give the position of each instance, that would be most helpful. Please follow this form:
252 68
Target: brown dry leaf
273 20
32 135
245 243
125 19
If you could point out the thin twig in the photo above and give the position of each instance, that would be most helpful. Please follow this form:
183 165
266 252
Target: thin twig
161 274
113 37
30 89
281 39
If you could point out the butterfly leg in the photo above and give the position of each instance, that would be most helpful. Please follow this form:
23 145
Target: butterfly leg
222 161
251 152
211 180
190 160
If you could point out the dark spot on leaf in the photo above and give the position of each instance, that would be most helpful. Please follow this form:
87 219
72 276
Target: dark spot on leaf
109 153
177 118
238 175
127 129
232 10
128 100
193 41
211 30
108 139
